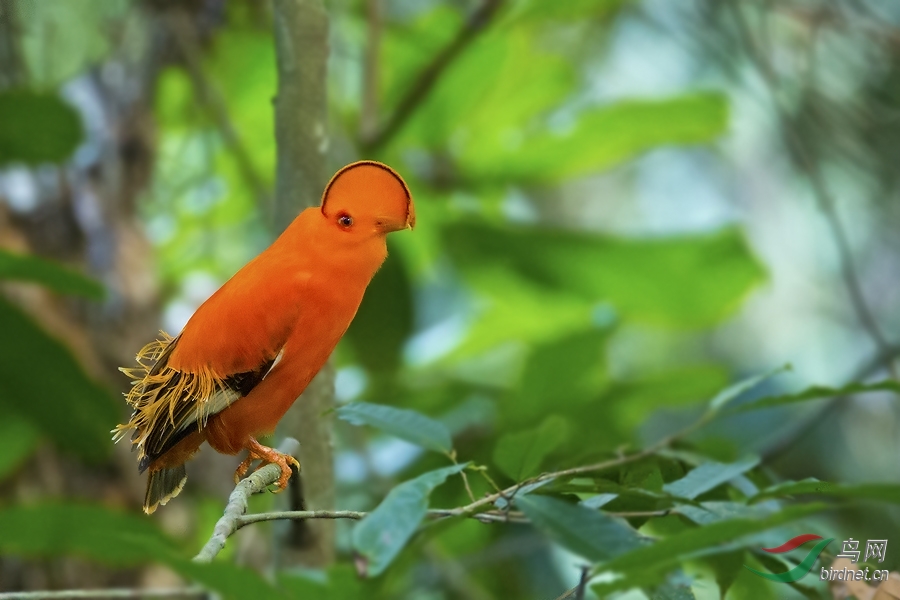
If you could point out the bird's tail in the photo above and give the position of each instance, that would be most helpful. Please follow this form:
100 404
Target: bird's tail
162 486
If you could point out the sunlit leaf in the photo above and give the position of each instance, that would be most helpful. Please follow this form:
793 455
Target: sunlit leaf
513 309
683 281
408 48
708 476
520 454
77 38
571 10
242 67
42 382
582 530
25 267
406 424
36 127
496 88
598 139
386 530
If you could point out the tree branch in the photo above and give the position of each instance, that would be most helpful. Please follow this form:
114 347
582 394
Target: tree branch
184 33
815 418
301 134
429 76
257 482
807 163
368 113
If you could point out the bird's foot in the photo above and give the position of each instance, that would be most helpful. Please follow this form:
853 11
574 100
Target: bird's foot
257 451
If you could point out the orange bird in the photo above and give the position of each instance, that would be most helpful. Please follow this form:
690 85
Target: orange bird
253 346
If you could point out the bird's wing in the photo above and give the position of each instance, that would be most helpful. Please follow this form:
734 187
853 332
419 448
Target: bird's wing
169 403
227 347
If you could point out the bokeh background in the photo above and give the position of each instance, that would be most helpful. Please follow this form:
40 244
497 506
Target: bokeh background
623 207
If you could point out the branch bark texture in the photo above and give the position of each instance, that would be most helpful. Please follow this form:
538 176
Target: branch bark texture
301 45
257 482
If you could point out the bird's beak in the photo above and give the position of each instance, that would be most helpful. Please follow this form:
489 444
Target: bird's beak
411 216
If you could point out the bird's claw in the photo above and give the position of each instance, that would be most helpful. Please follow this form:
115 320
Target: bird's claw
257 451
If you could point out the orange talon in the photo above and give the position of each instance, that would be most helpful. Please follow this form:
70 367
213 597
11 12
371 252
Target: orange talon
257 451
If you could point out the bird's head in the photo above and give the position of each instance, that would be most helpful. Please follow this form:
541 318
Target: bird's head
368 197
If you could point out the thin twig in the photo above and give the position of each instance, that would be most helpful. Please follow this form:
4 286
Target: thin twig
298 515
237 502
475 507
234 516
582 583
824 198
815 418
185 37
368 113
356 515
577 592
111 594
429 76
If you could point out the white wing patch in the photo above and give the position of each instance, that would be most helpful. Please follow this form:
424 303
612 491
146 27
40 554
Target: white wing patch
219 401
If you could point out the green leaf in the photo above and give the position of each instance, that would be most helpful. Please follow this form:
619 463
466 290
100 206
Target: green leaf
230 581
817 392
683 281
750 586
708 476
501 84
36 127
565 372
18 439
385 531
42 382
242 65
513 309
881 492
631 400
93 532
118 539
599 139
520 454
24 267
406 424
384 320
671 550
589 533
741 387
714 511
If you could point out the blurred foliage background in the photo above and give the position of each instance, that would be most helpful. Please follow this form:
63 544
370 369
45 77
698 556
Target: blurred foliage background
623 208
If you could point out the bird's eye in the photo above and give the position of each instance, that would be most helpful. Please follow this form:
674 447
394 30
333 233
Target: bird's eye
345 220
